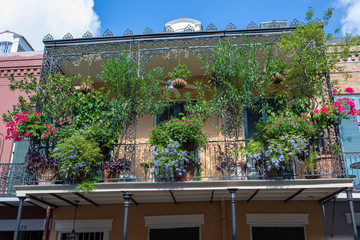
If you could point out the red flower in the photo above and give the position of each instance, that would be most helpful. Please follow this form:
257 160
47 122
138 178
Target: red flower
349 90
325 110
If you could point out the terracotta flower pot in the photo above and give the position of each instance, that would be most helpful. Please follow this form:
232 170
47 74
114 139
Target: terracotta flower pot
111 177
325 165
188 175
189 146
46 175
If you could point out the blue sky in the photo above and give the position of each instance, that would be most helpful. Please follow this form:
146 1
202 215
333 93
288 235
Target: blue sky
35 18
137 15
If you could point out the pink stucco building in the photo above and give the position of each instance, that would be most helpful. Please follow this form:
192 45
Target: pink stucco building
18 64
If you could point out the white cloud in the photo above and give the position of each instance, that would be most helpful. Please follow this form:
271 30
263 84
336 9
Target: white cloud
35 18
351 21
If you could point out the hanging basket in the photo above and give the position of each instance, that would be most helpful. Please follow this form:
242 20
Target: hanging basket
85 88
277 78
178 83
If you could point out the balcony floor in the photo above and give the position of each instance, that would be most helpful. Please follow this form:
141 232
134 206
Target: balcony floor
155 192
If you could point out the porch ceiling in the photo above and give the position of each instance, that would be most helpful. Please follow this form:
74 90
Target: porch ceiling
154 192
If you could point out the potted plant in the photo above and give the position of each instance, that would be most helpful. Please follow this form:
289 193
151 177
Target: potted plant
78 159
332 113
116 169
286 137
253 153
40 165
179 75
186 131
173 163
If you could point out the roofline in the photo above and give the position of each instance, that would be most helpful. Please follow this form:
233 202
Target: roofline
21 36
155 36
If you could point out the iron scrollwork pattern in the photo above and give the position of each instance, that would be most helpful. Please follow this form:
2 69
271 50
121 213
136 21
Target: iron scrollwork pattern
11 174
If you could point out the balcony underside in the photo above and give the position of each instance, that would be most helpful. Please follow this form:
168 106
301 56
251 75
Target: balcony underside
177 192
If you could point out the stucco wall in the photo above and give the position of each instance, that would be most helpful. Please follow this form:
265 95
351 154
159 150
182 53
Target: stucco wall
18 64
340 229
212 228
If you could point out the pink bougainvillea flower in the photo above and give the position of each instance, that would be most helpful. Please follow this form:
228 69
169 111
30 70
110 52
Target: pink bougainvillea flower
325 110
349 90
335 90
77 87
27 134
316 111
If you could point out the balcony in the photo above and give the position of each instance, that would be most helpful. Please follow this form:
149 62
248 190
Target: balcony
216 164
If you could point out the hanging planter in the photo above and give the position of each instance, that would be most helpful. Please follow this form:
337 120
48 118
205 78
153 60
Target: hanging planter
178 83
179 75
86 88
277 78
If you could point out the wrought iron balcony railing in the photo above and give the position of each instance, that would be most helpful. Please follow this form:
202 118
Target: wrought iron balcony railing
216 163
352 161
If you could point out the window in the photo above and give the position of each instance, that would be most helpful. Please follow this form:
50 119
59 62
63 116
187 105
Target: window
86 235
278 233
251 118
5 47
175 234
172 111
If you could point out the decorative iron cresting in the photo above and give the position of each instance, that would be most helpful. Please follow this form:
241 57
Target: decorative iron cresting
230 27
189 28
68 36
168 29
211 27
108 33
128 32
48 37
148 30
295 23
88 35
252 25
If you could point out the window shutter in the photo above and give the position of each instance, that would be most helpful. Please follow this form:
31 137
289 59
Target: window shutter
20 151
350 132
